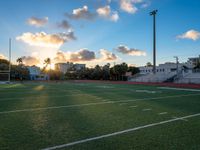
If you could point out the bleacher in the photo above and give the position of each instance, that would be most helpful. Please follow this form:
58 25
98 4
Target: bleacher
189 78
158 77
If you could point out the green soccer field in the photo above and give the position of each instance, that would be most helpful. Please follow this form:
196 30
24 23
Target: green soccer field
98 116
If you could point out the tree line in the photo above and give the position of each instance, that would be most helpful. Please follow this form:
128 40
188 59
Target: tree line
105 72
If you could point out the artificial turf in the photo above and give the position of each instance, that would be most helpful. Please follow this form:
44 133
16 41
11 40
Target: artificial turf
42 115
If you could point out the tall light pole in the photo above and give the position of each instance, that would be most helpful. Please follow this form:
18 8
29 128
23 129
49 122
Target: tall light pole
9 59
176 57
153 13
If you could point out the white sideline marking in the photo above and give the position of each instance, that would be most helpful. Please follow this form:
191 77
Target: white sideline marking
14 98
179 89
90 104
54 107
147 109
180 119
163 113
147 91
120 132
133 106
106 100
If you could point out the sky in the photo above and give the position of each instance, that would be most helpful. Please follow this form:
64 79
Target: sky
99 31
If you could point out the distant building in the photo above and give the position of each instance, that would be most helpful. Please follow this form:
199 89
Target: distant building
35 73
66 67
79 66
194 61
63 67
165 68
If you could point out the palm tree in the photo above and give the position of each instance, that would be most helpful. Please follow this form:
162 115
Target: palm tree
47 62
149 64
19 60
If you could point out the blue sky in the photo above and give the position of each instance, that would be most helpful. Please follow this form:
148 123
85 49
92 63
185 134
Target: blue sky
123 39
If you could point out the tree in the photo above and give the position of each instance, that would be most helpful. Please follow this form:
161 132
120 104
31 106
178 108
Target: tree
56 75
149 64
20 61
106 71
97 73
4 66
133 70
47 62
118 71
197 65
20 68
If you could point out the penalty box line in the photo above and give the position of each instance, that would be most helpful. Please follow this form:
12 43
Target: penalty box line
121 132
90 104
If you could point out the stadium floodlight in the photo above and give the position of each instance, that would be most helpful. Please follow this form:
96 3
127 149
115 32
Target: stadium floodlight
153 13
176 57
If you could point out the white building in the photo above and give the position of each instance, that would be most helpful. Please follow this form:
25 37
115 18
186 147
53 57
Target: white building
34 70
165 68
79 66
63 67
35 73
194 61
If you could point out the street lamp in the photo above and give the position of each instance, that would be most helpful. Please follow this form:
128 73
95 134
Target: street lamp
153 13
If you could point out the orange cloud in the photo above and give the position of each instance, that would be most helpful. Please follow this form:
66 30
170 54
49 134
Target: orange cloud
37 22
46 40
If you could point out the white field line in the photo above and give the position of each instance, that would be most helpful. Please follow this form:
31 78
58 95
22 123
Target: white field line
90 104
133 106
147 109
15 98
163 113
54 107
121 104
181 119
121 132
179 89
105 100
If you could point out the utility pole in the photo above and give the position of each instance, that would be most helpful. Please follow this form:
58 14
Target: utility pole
153 13
176 57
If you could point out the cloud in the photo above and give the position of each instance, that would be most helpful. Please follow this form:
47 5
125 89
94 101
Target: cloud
81 13
106 12
191 34
37 22
146 4
2 56
46 40
30 61
60 57
137 1
132 6
84 55
128 6
64 24
107 56
130 51
79 56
